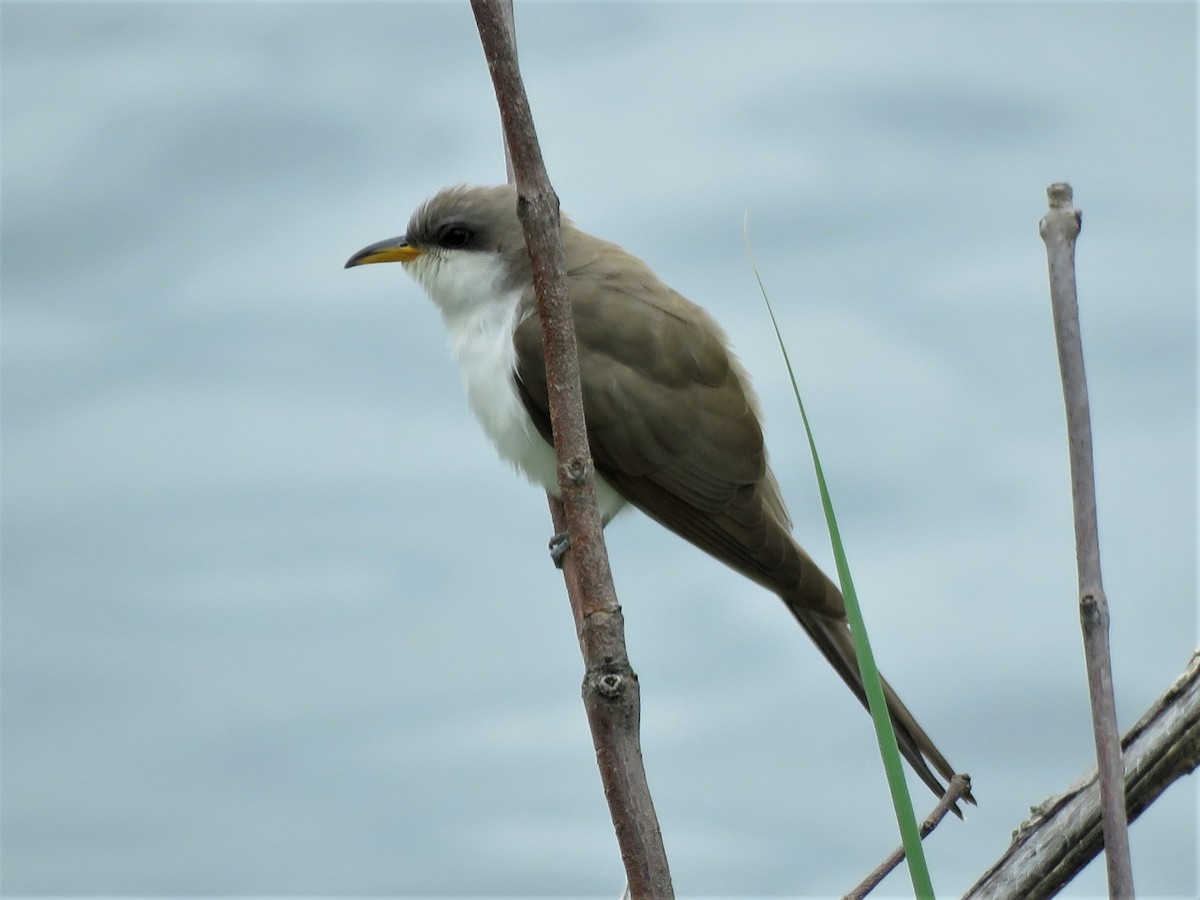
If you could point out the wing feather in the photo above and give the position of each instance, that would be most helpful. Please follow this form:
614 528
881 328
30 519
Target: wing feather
673 426
672 422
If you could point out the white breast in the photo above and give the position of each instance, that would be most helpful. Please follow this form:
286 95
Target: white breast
483 346
480 319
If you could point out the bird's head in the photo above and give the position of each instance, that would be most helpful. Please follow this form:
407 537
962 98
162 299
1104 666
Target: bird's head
464 246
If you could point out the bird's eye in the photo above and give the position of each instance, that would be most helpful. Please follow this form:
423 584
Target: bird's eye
453 237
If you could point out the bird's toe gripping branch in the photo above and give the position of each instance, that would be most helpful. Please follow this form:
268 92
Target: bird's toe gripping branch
560 543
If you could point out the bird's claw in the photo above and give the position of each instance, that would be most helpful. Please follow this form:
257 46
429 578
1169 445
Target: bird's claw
560 543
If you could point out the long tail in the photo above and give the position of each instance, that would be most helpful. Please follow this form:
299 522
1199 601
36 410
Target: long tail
833 639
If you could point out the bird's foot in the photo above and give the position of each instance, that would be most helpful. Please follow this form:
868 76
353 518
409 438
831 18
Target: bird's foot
559 545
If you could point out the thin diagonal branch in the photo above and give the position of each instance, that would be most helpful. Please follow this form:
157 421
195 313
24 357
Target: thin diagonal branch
1065 834
959 787
1059 229
610 687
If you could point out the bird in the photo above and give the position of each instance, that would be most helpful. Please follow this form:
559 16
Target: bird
673 423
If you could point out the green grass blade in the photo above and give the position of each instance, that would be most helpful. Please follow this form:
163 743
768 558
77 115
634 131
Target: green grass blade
901 800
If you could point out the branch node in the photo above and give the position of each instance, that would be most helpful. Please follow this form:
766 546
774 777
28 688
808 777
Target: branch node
1061 220
1060 194
576 471
610 686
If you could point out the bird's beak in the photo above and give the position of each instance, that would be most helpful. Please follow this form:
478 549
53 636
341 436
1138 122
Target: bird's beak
392 250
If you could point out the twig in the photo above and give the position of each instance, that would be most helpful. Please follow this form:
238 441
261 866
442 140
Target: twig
959 786
1064 834
1059 229
610 687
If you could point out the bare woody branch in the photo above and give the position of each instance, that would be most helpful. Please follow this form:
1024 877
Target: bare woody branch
1059 229
610 688
1065 833
959 786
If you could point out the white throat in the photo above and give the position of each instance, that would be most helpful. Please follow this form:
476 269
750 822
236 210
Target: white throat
480 316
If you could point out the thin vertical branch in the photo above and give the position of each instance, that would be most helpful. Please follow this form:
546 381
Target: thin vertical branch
610 687
1059 229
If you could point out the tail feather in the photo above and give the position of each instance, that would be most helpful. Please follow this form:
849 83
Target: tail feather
832 637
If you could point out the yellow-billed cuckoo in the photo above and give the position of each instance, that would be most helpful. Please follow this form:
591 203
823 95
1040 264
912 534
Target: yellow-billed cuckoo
672 420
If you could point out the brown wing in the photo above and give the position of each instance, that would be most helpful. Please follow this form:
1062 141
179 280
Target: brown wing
674 428
672 422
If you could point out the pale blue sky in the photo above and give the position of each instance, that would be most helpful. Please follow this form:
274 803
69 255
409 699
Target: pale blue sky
275 619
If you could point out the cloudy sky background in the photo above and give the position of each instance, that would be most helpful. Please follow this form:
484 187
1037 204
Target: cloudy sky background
275 620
